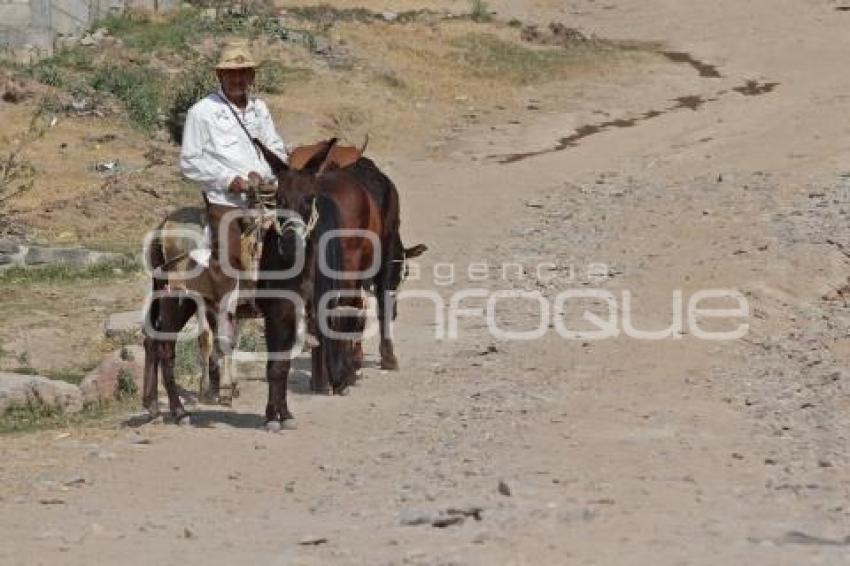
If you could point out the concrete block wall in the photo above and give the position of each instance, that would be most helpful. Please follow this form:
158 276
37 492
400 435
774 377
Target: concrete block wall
15 13
33 25
72 17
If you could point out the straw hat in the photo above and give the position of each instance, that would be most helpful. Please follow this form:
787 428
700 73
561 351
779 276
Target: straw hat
236 56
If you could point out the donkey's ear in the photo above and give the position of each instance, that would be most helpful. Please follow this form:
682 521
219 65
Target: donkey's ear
315 162
415 251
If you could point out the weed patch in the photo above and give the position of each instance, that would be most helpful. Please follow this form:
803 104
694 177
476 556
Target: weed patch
60 273
33 418
489 56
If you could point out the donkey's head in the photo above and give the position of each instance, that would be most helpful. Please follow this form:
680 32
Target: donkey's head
297 183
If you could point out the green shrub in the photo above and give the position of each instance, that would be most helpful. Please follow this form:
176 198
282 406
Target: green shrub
173 33
59 70
127 387
49 74
140 89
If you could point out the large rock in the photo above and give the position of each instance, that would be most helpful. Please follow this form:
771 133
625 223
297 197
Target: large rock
11 252
37 391
121 372
9 246
76 257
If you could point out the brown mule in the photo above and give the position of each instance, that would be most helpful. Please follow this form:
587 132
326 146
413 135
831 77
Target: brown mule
355 198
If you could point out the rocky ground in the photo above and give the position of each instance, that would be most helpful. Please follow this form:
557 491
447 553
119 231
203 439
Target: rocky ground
484 450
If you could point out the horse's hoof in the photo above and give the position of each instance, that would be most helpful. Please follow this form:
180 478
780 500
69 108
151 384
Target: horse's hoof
184 420
225 401
273 426
342 391
236 392
389 364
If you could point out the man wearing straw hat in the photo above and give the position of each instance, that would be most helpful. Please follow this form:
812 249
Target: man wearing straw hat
225 138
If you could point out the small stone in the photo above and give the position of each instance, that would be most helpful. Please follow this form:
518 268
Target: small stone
443 522
389 16
311 540
504 488
189 533
473 511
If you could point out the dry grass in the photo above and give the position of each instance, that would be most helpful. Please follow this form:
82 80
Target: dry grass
427 76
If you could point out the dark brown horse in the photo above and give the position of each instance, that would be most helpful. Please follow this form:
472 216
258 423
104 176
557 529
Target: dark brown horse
393 266
362 202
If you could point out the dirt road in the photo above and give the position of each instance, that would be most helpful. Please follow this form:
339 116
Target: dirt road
551 451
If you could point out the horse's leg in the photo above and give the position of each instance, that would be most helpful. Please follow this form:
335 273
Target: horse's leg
318 376
150 396
213 358
206 392
357 324
280 326
357 348
386 300
225 336
228 382
174 315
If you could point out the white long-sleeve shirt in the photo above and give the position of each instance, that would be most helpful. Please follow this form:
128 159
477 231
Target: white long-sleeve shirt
216 150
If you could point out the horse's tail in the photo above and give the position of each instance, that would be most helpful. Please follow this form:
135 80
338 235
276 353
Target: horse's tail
326 285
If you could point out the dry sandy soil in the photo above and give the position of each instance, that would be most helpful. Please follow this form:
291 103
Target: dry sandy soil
618 451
